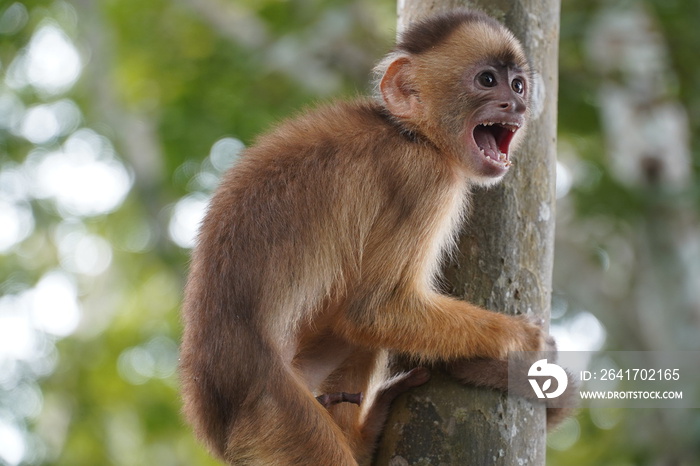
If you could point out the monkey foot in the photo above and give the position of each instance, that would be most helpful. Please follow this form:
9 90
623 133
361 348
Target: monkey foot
331 399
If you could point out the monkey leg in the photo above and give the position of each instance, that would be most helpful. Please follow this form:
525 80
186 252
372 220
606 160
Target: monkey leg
287 426
493 373
363 423
376 414
352 376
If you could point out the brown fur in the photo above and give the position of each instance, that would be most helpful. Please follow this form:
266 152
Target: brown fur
319 253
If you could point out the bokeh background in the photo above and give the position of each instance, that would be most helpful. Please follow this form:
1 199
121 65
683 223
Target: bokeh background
117 118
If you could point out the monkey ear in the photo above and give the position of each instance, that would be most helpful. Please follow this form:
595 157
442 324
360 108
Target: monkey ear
399 93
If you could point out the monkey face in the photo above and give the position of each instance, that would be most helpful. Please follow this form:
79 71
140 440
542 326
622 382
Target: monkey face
490 81
498 97
468 94
478 114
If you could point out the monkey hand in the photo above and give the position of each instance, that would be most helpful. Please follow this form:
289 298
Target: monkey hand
528 335
521 333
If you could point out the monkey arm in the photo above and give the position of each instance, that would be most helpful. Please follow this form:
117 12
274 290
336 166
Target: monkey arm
436 327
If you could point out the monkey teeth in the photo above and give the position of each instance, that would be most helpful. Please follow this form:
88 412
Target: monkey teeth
502 158
512 127
493 140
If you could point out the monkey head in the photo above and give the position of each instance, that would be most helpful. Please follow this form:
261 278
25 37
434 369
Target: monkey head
461 83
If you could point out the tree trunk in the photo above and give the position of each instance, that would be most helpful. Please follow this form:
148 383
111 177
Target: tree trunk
504 264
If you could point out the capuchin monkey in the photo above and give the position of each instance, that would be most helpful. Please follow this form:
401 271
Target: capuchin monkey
320 251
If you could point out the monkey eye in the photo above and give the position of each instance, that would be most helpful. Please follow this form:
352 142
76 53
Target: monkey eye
517 85
487 79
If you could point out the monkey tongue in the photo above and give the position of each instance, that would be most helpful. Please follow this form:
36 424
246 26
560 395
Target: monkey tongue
493 140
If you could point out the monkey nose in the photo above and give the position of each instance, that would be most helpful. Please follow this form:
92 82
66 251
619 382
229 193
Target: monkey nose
514 105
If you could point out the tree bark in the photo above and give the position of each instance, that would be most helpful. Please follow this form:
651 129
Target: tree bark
504 264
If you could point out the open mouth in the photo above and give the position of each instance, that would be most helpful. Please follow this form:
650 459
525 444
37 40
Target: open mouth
493 140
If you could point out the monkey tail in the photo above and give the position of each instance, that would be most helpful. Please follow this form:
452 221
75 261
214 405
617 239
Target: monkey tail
251 409
217 389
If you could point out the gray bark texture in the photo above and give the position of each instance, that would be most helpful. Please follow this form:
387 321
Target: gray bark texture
504 264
